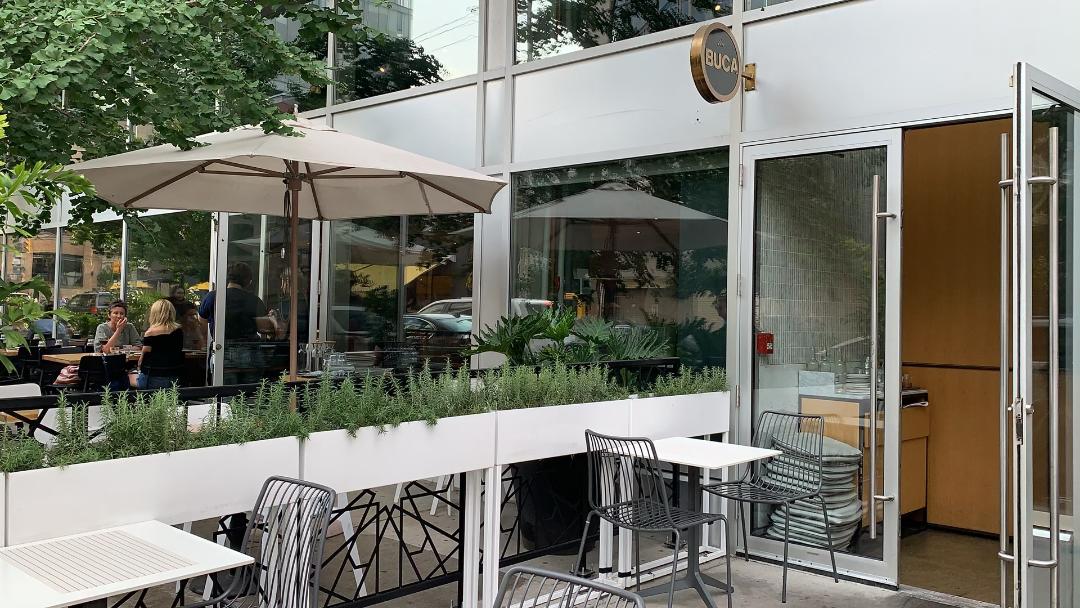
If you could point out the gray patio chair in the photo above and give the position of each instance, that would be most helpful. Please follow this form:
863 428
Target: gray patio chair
285 534
627 488
534 588
792 477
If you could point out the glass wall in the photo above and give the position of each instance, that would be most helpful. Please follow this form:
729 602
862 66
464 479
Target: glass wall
640 243
289 91
36 258
812 295
400 290
88 286
418 42
552 27
257 301
752 4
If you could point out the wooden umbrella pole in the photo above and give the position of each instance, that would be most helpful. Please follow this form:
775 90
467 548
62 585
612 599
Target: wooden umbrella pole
295 183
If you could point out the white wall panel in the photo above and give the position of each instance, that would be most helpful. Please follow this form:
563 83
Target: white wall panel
631 99
883 61
495 125
440 125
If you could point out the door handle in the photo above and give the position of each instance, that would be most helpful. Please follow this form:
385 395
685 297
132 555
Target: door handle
881 498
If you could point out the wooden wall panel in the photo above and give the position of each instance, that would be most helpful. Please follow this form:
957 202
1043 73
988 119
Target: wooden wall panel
950 311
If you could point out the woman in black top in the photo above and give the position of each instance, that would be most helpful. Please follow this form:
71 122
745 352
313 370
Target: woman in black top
163 348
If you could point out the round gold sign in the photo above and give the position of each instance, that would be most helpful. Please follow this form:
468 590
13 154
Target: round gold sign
715 63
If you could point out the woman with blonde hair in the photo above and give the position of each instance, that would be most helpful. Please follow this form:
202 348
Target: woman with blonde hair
162 357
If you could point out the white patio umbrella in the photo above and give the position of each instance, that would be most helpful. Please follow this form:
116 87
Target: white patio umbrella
322 173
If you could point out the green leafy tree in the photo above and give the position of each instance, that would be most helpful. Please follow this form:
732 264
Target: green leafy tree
24 190
75 75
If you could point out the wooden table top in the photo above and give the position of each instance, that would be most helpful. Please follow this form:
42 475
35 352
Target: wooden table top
74 358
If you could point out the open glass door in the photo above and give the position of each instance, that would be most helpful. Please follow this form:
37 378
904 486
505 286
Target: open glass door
820 236
1039 427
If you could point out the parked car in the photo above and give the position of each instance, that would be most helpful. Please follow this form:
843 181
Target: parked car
91 302
463 306
438 336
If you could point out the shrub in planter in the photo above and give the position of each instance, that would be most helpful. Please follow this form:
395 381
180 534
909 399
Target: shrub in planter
690 381
19 452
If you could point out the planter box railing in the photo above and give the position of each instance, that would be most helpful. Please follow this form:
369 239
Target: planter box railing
212 482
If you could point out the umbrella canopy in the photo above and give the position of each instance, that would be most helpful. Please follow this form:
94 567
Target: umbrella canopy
343 176
324 174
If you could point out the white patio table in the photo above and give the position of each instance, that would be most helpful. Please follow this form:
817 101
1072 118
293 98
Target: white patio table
696 455
85 567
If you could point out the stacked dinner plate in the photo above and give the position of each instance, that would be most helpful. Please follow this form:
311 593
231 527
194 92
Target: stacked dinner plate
839 474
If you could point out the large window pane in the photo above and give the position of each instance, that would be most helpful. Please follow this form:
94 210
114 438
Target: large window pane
418 42
97 274
290 92
257 301
169 257
641 243
398 306
35 258
552 27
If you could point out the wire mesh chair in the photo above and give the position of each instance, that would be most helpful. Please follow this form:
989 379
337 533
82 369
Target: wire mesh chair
792 476
627 489
285 534
534 588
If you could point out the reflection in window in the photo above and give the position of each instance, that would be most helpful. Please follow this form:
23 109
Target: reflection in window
35 258
639 242
753 4
416 42
257 297
401 290
97 272
552 27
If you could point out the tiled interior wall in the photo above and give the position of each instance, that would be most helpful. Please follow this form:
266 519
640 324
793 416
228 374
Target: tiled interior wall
812 231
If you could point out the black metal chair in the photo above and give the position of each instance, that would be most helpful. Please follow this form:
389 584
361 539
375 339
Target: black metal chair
627 489
792 476
285 534
534 588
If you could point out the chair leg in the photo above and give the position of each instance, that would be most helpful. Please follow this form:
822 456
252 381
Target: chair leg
745 529
828 537
674 569
787 529
579 563
637 558
727 559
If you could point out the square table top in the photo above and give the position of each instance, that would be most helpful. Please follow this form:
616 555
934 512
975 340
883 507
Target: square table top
93 565
708 454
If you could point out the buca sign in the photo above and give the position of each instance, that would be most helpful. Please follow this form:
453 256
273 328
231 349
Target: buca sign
715 63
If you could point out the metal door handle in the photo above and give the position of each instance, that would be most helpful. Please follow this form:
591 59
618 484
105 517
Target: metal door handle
874 217
881 498
1004 407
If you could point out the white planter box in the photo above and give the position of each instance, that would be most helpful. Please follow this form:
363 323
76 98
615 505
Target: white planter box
680 415
412 450
174 488
557 430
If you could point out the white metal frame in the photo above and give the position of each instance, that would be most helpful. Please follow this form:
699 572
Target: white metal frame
1029 81
740 364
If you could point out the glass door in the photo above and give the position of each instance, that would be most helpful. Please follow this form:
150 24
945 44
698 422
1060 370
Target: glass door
820 317
1039 419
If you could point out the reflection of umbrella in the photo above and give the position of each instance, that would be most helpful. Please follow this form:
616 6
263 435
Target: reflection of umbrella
616 217
242 171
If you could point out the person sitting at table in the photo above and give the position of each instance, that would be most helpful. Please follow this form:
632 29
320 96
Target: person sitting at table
117 331
163 349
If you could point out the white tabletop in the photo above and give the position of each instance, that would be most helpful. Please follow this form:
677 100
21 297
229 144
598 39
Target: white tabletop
94 565
708 454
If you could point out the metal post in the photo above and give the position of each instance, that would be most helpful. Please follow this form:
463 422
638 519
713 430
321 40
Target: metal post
294 264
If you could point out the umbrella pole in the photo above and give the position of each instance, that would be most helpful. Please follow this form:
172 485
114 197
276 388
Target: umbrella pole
294 276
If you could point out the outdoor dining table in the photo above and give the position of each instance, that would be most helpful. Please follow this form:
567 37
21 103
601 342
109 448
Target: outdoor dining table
698 454
75 358
82 568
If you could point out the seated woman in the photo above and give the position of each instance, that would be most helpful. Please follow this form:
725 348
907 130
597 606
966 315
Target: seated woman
163 349
117 331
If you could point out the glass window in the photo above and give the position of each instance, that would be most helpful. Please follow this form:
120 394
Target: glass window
390 303
753 4
169 257
290 91
641 243
418 42
553 27
96 247
36 258
257 297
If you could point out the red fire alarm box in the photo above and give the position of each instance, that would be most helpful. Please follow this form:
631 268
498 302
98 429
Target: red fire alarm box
764 343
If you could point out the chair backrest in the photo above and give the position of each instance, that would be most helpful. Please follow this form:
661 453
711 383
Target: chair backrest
286 534
799 438
534 588
25 389
622 471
